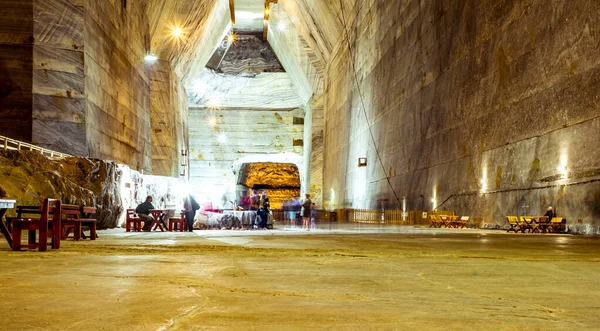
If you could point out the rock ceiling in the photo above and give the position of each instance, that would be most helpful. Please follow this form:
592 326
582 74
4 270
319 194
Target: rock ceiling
205 23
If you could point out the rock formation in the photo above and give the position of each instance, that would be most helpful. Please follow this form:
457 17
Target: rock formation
29 176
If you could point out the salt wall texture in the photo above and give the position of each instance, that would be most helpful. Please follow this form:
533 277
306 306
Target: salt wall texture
486 108
117 85
169 113
16 59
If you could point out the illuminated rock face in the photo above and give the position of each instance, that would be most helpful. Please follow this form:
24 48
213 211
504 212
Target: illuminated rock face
488 110
28 176
281 180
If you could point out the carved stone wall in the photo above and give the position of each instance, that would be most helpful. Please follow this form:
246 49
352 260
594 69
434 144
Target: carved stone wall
486 108
169 112
117 86
59 107
16 65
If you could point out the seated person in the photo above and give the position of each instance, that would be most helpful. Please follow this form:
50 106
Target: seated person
143 211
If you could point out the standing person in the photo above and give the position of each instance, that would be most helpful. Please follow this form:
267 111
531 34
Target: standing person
550 214
306 213
313 216
143 211
264 210
190 205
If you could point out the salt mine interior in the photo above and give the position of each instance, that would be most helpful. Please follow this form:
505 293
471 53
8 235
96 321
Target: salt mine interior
368 164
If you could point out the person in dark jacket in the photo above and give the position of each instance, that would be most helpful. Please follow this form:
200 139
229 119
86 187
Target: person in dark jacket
190 205
143 211
264 207
550 214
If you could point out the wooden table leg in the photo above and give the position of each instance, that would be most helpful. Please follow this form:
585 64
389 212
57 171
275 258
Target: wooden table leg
4 228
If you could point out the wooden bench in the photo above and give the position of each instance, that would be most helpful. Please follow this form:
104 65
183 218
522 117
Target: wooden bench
513 222
436 222
39 224
72 219
178 223
557 225
132 219
461 222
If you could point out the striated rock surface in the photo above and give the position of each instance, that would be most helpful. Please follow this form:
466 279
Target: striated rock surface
271 175
28 176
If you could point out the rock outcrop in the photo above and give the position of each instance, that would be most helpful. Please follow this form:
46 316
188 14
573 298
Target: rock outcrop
29 176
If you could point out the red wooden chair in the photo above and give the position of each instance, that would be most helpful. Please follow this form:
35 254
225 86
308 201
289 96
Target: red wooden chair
132 219
50 206
178 223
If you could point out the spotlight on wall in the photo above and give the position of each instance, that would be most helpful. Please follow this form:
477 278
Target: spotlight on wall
150 58
362 162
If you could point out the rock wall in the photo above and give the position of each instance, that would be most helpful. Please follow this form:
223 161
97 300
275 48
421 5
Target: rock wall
29 176
16 65
116 82
486 108
169 114
59 110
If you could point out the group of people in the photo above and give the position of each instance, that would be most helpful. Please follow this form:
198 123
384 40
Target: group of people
190 206
294 208
260 204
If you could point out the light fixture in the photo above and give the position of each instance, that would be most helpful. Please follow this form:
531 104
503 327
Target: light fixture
177 32
150 58
232 38
212 122
281 26
362 161
222 138
213 102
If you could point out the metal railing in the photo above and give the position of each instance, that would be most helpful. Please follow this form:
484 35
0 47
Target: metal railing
13 144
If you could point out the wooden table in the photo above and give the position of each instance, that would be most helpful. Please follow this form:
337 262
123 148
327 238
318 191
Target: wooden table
159 216
4 205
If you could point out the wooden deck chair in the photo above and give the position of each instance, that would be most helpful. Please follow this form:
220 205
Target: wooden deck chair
462 222
541 225
435 221
556 225
513 223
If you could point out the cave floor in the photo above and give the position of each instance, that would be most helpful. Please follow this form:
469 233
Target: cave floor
379 279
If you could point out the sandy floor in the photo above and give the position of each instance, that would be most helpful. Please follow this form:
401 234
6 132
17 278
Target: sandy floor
379 279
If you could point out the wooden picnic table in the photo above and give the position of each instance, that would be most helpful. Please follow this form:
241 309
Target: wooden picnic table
159 216
4 206
76 217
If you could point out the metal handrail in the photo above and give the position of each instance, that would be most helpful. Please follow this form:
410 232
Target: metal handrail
13 144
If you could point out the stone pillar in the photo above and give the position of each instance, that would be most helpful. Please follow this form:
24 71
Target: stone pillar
305 175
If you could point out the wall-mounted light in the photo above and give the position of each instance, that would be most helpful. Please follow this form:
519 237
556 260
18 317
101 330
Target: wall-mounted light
212 121
362 162
150 58
222 138
281 26
232 38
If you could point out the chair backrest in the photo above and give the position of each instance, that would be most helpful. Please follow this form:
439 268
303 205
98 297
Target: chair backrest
543 219
70 211
28 210
130 213
50 206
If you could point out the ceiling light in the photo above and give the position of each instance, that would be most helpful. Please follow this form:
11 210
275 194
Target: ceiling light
177 32
222 138
150 58
212 122
232 38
